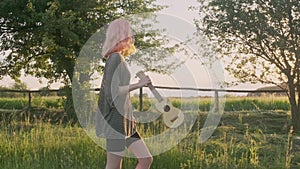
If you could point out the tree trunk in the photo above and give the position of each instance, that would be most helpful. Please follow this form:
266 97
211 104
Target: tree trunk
295 117
295 111
298 110
295 151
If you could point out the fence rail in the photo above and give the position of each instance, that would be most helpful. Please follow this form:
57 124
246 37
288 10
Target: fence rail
29 93
216 91
221 90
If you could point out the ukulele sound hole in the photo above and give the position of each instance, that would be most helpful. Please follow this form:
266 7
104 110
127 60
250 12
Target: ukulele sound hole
167 108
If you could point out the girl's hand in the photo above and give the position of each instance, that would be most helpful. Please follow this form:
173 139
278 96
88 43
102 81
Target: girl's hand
144 81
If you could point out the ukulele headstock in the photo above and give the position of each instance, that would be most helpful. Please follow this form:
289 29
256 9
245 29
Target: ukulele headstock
141 74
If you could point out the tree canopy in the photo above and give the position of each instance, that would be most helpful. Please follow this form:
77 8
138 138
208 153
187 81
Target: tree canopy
44 37
260 38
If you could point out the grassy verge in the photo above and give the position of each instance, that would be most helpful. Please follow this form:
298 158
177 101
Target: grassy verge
201 103
251 140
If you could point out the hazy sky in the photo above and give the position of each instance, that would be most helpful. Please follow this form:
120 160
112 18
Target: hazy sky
177 8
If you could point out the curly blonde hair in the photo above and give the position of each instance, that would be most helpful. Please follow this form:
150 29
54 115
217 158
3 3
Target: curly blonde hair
119 38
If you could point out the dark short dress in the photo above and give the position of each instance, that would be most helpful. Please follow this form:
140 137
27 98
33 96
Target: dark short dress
114 120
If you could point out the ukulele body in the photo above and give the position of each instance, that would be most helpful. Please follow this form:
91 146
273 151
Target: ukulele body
172 116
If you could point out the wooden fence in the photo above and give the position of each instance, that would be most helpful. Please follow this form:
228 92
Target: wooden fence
216 92
29 93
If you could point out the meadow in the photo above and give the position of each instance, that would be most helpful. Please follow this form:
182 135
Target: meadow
253 133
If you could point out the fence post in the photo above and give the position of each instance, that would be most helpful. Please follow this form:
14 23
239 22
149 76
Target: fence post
216 101
29 99
141 99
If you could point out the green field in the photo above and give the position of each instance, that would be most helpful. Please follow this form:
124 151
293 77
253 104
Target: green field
203 103
247 137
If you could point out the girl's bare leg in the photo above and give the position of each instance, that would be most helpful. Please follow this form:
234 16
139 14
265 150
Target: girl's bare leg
140 150
114 160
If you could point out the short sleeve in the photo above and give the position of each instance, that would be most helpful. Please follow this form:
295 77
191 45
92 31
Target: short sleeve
111 75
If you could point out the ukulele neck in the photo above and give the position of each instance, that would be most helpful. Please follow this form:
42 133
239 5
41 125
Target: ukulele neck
155 92
141 75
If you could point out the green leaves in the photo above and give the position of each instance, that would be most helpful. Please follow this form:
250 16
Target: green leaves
261 39
263 29
44 37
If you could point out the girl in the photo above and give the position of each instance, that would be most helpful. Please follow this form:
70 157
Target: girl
114 101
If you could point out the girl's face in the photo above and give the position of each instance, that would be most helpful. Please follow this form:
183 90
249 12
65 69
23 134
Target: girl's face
127 47
131 39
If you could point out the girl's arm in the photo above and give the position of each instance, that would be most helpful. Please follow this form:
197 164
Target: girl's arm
131 87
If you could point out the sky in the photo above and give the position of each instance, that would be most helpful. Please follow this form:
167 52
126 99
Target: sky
177 8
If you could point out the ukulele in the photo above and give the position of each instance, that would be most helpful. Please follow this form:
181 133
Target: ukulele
172 116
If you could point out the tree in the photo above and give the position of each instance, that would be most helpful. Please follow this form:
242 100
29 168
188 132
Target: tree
44 37
261 39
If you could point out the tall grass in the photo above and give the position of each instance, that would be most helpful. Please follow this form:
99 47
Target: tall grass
43 145
237 143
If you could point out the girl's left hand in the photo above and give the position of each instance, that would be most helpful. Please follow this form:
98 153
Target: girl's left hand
144 81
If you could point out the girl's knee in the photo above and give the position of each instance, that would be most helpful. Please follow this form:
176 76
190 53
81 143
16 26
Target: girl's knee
147 161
